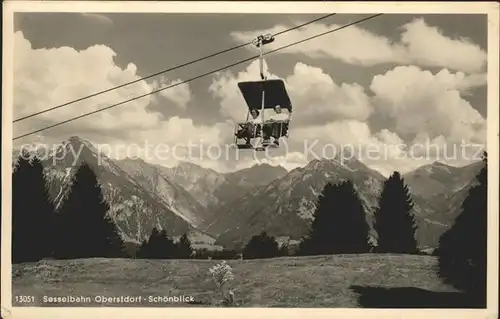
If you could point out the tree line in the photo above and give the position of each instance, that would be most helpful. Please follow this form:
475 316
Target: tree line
80 228
340 227
339 224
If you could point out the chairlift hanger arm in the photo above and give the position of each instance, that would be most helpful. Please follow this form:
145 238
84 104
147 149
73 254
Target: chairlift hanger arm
259 42
262 40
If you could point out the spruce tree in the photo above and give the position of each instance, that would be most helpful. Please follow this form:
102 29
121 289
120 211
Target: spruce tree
394 220
86 229
318 239
184 248
32 212
462 249
261 246
350 228
339 225
158 246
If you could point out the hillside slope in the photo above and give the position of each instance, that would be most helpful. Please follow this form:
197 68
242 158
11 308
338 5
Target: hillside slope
135 210
285 207
216 191
173 196
440 181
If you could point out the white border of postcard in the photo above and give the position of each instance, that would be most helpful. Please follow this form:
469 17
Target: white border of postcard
489 8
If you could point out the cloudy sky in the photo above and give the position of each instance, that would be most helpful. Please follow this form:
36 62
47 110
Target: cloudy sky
384 88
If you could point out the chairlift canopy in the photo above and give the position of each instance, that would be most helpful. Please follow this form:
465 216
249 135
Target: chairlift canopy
275 94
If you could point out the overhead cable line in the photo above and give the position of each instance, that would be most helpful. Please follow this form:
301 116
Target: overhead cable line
197 77
166 70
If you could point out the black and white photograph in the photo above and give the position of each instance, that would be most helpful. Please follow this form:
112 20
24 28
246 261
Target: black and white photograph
313 159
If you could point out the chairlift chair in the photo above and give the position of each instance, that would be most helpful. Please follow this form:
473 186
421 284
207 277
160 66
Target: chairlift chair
262 95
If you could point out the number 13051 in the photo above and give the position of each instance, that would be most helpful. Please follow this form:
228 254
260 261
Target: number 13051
24 299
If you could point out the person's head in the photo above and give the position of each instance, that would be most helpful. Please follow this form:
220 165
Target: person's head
255 113
277 109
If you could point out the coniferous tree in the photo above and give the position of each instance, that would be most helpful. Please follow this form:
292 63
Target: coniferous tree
284 250
339 225
261 246
32 212
184 248
394 220
86 229
350 228
318 242
224 254
158 246
462 249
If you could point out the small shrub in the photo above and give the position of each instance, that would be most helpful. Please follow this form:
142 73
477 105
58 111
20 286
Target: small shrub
221 275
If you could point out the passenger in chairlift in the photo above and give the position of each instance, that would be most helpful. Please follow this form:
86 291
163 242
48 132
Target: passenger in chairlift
256 119
273 127
279 115
247 132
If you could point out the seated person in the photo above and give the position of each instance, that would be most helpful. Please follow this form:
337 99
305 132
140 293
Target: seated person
247 132
279 115
273 127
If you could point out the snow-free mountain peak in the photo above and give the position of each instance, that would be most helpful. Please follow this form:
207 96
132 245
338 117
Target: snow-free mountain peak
134 208
285 206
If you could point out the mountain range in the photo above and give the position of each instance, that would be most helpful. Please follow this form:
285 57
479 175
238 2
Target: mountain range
229 208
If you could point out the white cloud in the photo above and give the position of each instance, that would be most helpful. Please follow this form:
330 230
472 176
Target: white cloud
314 94
419 102
44 78
419 44
426 45
416 105
177 92
384 150
342 140
352 45
288 161
177 139
48 77
413 107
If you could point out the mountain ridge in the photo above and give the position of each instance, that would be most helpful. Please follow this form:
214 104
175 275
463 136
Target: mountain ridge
263 209
233 206
135 210
285 206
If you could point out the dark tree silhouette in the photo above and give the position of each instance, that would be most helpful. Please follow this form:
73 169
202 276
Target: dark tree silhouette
394 220
284 250
32 212
224 254
462 249
158 246
184 248
339 225
261 246
318 240
86 230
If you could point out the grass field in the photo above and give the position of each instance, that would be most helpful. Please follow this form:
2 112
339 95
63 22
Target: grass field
320 281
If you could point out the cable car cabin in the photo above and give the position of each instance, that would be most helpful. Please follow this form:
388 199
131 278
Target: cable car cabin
262 96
